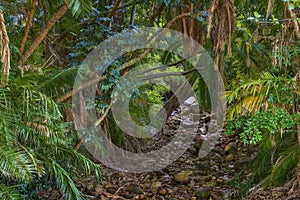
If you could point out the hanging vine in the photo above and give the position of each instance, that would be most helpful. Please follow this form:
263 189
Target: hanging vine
220 28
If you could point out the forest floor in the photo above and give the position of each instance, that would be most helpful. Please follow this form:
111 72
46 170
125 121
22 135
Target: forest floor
189 177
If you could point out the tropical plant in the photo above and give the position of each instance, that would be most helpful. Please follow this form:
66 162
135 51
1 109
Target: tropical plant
262 112
35 141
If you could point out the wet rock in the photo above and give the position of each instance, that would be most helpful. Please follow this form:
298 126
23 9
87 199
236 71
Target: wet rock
203 193
185 112
190 101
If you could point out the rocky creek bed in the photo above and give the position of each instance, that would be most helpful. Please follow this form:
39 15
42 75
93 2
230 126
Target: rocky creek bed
189 177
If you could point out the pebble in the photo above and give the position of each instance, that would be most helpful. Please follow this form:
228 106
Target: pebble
182 176
163 192
203 193
155 186
230 157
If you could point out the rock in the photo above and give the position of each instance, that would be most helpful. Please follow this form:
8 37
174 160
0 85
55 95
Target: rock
90 187
116 175
155 186
137 190
185 112
193 149
182 176
190 101
217 195
203 130
203 193
230 157
98 191
112 190
107 186
198 142
188 123
230 147
130 187
195 108
216 150
151 131
163 192
196 117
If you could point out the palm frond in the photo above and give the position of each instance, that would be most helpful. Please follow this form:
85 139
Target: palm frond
254 95
64 181
89 167
15 163
80 7
9 192
58 83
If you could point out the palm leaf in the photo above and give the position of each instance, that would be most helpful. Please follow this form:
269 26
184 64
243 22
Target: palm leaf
15 163
64 181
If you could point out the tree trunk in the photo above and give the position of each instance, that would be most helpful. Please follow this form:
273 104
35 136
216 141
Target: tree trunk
28 25
173 103
42 35
4 50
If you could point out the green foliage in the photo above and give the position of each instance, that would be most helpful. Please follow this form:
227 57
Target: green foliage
266 92
145 97
252 128
35 141
274 165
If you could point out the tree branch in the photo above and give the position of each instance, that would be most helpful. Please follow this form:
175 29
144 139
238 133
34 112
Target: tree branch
42 35
154 76
86 85
27 28
126 65
113 11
